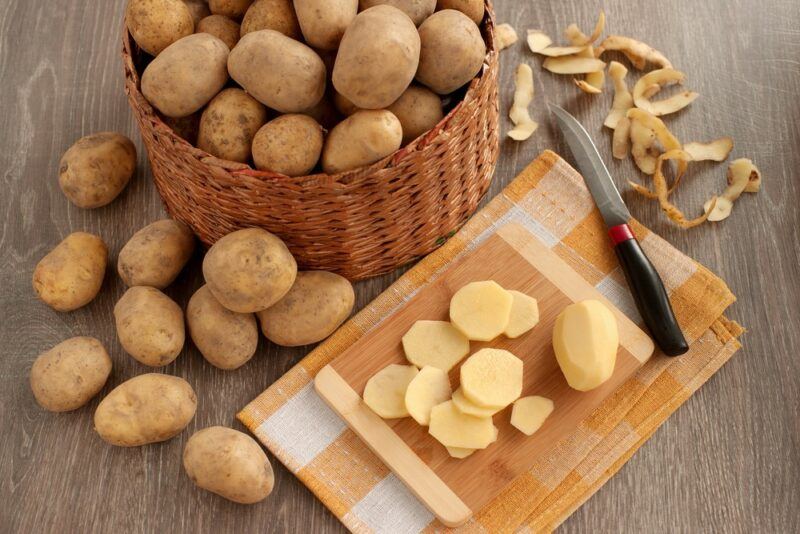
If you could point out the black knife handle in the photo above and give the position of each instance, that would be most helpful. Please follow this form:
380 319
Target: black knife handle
648 292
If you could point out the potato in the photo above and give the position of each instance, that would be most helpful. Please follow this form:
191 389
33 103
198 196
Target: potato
452 51
316 305
378 57
290 145
156 254
187 75
71 274
229 124
529 413
454 429
361 139
418 109
145 409
429 388
481 310
229 8
435 343
323 22
149 326
468 407
325 113
226 339
198 9
95 170
278 71
344 105
417 10
156 24
524 314
229 463
385 392
492 378
472 8
275 15
221 27
249 270
67 376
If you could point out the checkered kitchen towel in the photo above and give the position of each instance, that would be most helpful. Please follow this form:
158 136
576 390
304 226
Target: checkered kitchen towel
550 199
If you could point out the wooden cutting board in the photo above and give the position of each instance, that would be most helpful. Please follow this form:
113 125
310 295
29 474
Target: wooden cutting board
453 489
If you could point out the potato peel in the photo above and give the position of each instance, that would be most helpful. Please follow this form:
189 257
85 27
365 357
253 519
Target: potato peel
642 141
743 166
538 40
651 83
587 87
561 51
573 65
637 52
577 37
620 141
716 150
665 137
677 154
623 100
672 212
524 126
505 36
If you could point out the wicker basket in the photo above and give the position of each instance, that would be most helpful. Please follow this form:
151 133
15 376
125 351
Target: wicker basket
359 223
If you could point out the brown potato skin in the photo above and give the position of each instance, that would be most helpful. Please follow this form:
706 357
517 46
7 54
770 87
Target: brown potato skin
474 9
70 275
278 71
290 145
418 109
361 139
156 24
229 463
452 51
149 326
377 58
95 170
186 75
146 409
323 22
275 15
417 10
249 270
156 254
199 10
226 339
230 8
67 376
229 124
221 27
318 303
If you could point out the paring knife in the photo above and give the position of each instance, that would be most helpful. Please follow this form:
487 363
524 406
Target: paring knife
643 279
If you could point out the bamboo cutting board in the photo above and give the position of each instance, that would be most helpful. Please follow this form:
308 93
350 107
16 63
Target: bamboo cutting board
453 489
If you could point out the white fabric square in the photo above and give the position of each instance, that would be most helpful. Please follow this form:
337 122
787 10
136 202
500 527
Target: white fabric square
390 508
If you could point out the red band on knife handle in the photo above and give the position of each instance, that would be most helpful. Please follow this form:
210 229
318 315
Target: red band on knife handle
620 233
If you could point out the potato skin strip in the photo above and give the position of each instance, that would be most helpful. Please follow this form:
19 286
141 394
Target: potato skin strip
680 155
623 100
664 136
754 177
588 88
561 51
620 141
651 83
538 40
506 36
577 37
524 126
672 212
716 150
573 65
637 52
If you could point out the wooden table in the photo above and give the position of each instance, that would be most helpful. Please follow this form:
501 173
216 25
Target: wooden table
727 461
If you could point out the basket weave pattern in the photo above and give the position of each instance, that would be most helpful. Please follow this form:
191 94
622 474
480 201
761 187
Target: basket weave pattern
359 223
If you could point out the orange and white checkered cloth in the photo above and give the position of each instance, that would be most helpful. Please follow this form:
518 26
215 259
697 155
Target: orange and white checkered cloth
550 199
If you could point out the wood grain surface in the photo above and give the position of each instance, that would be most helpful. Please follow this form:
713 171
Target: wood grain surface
727 461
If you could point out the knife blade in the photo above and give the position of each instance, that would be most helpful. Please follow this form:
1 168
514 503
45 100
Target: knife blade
643 280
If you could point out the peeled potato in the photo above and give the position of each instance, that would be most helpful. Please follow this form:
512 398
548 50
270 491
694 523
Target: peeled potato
467 407
435 343
492 377
454 429
459 452
385 392
480 310
529 413
524 314
430 387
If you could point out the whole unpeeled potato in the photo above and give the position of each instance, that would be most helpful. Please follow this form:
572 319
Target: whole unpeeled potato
226 339
278 71
452 51
156 24
474 9
199 10
145 409
96 169
249 270
318 303
417 10
149 326
228 463
71 275
377 58
67 376
290 145
323 22
364 137
418 109
229 8
223 28
156 254
278 15
186 75
229 124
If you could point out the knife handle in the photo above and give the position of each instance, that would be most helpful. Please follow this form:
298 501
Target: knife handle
648 292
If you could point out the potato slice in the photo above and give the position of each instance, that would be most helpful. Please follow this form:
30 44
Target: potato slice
524 314
385 392
492 377
430 387
468 407
480 310
455 429
459 452
435 343
529 413
572 64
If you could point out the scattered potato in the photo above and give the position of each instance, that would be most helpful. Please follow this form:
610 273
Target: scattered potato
524 314
95 170
481 310
229 8
290 145
474 9
198 9
146 409
363 138
225 338
435 343
316 305
417 10
278 15
385 392
323 22
492 378
468 407
229 463
70 275
418 109
455 429
459 452
229 124
529 413
149 326
429 388
225 29
249 270
156 24
67 376
156 254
